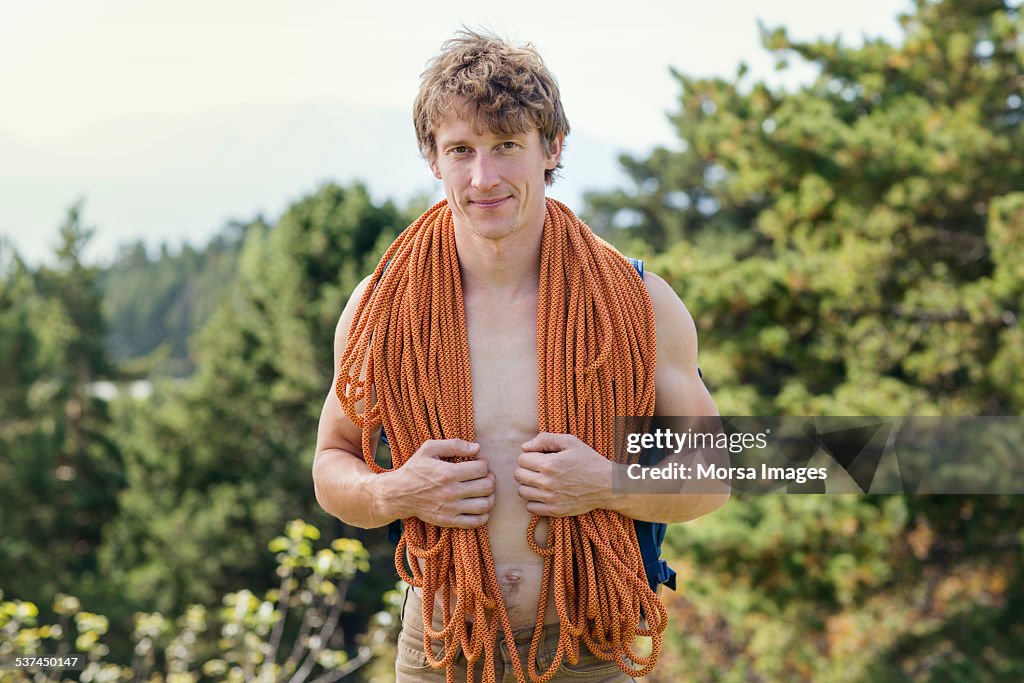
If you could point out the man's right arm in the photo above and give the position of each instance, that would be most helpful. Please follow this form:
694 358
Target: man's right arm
427 486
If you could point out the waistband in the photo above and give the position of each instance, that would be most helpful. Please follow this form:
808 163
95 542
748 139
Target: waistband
412 623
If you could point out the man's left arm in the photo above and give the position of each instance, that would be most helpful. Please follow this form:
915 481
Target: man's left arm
580 480
679 391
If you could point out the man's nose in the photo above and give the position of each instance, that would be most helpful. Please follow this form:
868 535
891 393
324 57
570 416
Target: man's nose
485 172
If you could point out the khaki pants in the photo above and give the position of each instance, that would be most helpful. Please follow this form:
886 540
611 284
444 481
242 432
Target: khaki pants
412 666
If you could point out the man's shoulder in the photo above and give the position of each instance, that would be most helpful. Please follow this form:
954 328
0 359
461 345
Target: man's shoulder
675 326
658 287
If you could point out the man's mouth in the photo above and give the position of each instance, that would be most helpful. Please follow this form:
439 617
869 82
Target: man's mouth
490 203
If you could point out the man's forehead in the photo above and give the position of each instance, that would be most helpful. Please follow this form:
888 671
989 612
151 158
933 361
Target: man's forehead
464 118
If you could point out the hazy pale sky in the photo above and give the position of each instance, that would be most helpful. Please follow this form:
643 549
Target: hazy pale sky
68 68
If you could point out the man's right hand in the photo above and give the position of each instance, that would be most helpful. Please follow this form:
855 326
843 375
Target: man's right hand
440 492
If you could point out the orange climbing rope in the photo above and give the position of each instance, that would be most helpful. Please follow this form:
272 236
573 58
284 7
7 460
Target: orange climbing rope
596 359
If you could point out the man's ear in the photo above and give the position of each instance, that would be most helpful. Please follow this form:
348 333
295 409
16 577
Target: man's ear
555 151
434 168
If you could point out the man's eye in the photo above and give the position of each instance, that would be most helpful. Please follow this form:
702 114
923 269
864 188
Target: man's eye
508 145
461 149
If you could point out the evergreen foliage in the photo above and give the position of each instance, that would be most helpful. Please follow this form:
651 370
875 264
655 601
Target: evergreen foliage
154 306
214 466
60 470
851 248
291 632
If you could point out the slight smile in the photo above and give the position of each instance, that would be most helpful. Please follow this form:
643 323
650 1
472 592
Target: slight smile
490 203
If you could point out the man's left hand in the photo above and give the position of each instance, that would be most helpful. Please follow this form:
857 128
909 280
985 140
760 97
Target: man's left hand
559 476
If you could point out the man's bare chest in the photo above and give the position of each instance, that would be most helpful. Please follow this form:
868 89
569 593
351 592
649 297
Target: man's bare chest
503 363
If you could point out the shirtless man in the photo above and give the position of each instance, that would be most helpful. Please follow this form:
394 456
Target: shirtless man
494 182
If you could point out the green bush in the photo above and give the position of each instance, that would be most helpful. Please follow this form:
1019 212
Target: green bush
291 632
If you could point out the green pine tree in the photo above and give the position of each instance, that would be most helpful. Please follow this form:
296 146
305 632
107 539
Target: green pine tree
852 247
61 472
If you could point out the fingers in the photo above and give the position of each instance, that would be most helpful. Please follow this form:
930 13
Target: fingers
531 462
527 476
544 510
464 504
468 521
548 442
534 487
545 503
541 462
478 487
443 449
467 471
476 506
530 493
431 486
468 513
448 448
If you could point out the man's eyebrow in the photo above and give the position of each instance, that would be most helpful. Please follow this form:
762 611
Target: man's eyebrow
456 142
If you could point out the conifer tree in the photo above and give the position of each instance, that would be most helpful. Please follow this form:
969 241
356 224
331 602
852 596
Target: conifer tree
217 464
61 472
851 247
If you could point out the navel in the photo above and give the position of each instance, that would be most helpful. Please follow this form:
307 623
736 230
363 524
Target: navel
510 581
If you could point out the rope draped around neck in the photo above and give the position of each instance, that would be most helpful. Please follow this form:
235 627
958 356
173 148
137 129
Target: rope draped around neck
596 360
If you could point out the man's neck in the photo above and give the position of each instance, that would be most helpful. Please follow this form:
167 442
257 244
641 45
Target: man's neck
509 267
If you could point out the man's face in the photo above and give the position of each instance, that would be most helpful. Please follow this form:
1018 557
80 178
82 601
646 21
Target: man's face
494 182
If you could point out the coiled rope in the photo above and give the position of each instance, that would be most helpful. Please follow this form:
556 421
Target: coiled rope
596 360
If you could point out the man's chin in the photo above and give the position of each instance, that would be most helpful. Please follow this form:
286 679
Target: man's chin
493 229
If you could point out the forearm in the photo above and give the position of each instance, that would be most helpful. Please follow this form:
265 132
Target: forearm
666 500
347 489
667 508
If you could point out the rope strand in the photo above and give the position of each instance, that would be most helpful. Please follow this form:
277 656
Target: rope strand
596 359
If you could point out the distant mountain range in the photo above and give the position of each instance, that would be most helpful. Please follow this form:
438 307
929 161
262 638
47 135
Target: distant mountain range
173 179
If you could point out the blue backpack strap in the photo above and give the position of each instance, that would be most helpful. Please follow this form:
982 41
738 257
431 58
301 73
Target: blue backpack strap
638 263
395 531
650 535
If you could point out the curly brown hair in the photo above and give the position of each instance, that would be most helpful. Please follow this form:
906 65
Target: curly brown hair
509 85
